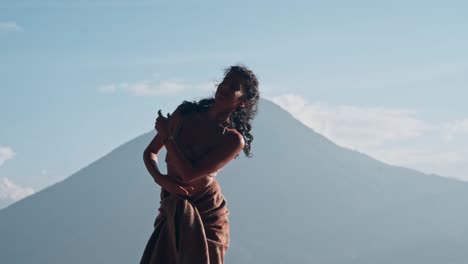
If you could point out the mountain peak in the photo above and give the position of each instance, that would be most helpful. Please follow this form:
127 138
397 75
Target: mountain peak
332 205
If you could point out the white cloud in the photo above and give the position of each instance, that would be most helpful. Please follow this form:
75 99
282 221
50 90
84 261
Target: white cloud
353 126
10 192
9 26
6 153
145 88
419 157
148 88
209 86
454 128
111 88
452 162
395 136
76 4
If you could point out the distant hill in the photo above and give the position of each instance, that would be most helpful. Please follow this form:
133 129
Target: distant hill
300 199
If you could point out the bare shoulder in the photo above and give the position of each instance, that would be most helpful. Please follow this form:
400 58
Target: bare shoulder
234 139
178 115
177 112
184 110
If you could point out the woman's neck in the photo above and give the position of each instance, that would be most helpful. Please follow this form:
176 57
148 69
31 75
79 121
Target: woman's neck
220 116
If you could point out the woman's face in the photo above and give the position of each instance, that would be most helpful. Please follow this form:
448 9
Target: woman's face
230 92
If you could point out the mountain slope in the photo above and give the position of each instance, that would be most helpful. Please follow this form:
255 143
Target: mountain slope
300 199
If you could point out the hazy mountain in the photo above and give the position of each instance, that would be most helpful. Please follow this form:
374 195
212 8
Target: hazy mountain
4 203
301 199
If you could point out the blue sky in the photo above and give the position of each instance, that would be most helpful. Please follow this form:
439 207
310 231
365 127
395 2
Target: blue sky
79 78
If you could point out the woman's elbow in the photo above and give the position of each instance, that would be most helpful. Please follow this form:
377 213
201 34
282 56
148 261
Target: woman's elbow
147 154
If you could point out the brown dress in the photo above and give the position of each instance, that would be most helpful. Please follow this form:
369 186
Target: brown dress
194 230
189 230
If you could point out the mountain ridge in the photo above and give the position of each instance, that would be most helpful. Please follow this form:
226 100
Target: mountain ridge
331 205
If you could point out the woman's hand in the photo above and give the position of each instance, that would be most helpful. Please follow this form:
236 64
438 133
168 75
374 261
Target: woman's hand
162 125
177 188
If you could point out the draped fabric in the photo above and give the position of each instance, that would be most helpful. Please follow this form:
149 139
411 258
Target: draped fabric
192 230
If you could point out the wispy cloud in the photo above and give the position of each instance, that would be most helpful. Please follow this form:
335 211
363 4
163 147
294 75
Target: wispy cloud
9 26
11 192
76 4
6 153
455 128
149 88
410 156
209 86
432 158
395 136
353 126
145 88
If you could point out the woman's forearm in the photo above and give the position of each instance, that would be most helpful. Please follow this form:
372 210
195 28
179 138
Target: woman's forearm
151 165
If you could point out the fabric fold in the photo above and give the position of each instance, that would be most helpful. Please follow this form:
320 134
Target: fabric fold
191 230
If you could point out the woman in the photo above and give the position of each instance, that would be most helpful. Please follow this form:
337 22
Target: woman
200 138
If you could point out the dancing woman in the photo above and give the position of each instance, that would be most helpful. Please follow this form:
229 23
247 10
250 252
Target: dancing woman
201 138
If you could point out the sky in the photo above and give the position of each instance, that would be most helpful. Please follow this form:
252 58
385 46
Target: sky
80 78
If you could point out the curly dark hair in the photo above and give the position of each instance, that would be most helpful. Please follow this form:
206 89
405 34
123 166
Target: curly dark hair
241 117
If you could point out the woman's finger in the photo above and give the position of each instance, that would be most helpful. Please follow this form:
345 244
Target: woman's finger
160 115
187 187
184 191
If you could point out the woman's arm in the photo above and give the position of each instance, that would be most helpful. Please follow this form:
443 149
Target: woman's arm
212 161
222 154
150 159
166 127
